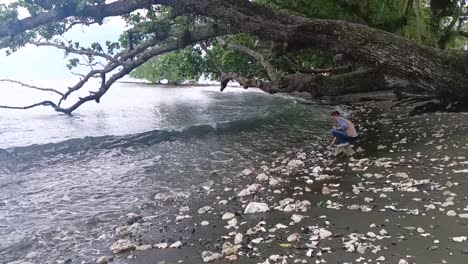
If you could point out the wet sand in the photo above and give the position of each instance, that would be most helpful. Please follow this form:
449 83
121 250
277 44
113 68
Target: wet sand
402 200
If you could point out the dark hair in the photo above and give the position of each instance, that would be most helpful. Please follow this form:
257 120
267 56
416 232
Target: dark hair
336 113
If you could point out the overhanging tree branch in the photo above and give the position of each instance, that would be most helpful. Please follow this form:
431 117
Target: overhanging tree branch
32 86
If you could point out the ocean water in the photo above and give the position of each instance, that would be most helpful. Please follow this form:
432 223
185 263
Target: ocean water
66 180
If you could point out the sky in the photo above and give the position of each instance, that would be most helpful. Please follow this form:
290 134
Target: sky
46 63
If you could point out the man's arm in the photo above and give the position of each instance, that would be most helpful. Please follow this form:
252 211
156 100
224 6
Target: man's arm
342 125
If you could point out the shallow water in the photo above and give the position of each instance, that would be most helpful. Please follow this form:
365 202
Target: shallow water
62 197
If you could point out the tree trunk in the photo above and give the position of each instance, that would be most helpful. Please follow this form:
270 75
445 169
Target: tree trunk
407 65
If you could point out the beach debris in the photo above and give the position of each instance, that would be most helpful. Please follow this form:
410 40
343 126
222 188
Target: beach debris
177 244
262 177
143 247
161 245
295 164
294 237
102 260
228 216
122 245
204 209
254 207
459 239
229 249
209 256
247 172
238 239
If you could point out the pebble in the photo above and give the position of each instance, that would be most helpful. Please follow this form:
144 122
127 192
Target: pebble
161 245
177 244
294 237
102 260
209 256
464 216
122 245
295 164
255 207
262 177
459 239
228 216
381 258
204 209
143 247
451 213
238 239
273 182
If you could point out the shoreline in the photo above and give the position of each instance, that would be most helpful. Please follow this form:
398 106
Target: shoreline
387 205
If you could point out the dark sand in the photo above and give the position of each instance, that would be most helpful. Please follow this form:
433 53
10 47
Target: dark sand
432 150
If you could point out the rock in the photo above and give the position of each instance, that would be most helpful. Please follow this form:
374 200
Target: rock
232 257
402 175
121 246
102 260
447 204
459 239
402 261
317 170
121 231
228 216
247 172
232 222
380 147
161 245
257 240
381 259
238 239
464 216
204 209
229 249
294 237
255 207
177 244
161 196
297 218
133 218
209 256
323 233
383 232
451 213
295 164
204 223
143 247
262 177
273 182
244 192
365 208
250 190
361 249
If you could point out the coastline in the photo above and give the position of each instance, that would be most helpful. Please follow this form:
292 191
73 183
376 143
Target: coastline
402 200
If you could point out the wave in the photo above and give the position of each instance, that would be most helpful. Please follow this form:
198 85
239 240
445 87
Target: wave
140 139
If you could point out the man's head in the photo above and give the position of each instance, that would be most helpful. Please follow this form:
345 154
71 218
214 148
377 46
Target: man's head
336 115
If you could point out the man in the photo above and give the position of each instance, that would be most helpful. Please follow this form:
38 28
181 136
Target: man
343 131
